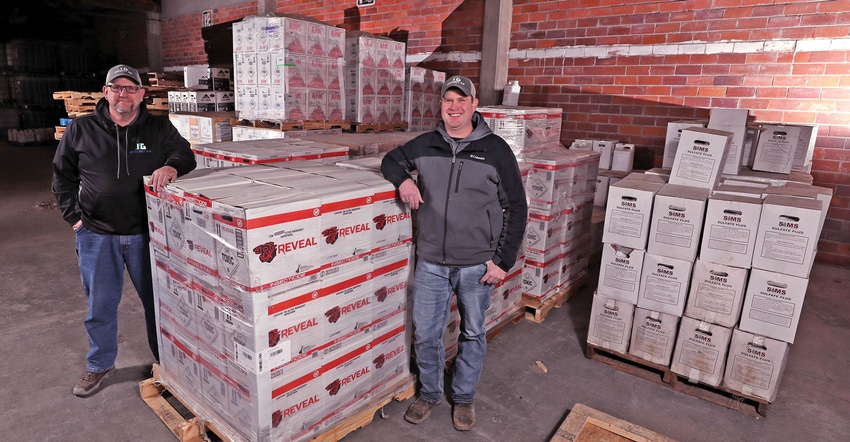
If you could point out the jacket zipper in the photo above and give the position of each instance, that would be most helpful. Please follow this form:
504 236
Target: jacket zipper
446 218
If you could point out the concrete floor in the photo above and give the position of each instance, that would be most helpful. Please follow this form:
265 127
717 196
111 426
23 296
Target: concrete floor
43 344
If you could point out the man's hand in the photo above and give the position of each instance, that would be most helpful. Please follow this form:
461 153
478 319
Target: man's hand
162 177
409 194
494 274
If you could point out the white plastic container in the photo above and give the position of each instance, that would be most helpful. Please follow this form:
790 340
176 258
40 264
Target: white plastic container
510 97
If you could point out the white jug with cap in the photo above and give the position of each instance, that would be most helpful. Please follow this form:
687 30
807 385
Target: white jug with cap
510 97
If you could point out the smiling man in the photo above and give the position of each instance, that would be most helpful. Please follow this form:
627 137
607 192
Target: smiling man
98 171
471 216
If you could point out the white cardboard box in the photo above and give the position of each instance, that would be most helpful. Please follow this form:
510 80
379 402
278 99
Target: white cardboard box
717 293
701 350
776 148
787 235
700 157
805 149
772 304
677 221
606 152
619 273
671 142
755 365
629 211
664 284
734 121
610 323
730 229
653 336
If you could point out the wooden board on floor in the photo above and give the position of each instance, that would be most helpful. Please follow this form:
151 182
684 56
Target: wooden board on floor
585 424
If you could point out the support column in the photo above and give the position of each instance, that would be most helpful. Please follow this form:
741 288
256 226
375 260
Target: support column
495 48
154 31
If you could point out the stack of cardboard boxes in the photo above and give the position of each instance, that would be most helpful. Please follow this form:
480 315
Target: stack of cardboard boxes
559 188
705 264
526 129
374 78
288 68
422 98
281 294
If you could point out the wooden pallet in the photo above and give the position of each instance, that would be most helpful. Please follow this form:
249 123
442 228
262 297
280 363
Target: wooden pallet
378 127
193 429
402 391
585 424
292 125
662 375
536 309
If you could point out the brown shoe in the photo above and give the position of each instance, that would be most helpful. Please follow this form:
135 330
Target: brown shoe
419 411
463 416
90 382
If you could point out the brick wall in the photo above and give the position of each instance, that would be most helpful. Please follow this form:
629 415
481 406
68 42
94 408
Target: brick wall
623 69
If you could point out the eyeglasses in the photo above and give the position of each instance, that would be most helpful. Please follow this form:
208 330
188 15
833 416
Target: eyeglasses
118 89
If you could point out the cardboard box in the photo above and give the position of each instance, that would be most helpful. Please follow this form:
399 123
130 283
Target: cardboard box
629 213
269 242
653 336
700 157
772 304
717 293
671 141
776 148
610 323
701 350
788 235
734 121
755 365
730 230
619 273
677 221
805 148
664 284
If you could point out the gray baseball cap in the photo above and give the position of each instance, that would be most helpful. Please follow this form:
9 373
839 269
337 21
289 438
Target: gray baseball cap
461 83
122 70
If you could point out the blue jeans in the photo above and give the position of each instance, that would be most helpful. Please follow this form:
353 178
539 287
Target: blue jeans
432 294
102 261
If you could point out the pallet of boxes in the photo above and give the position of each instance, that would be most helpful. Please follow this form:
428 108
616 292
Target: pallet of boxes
281 289
705 265
375 77
559 185
289 73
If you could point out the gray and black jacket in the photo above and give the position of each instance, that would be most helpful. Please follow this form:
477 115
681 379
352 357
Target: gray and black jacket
474 207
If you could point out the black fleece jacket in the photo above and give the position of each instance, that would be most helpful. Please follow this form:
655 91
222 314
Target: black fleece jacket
98 168
475 206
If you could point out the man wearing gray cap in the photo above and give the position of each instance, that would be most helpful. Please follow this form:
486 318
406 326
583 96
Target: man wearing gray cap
471 217
98 172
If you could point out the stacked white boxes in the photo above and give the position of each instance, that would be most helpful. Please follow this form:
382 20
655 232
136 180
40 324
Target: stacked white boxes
422 98
288 68
265 152
526 129
374 78
560 188
280 336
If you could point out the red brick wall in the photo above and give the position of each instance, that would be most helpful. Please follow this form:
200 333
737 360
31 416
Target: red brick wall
623 69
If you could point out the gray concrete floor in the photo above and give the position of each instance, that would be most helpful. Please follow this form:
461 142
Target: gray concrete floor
44 345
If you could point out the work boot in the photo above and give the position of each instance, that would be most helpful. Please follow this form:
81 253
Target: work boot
463 416
90 382
419 411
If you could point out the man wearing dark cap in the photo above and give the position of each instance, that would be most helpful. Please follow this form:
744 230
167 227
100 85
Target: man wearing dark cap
471 217
98 172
